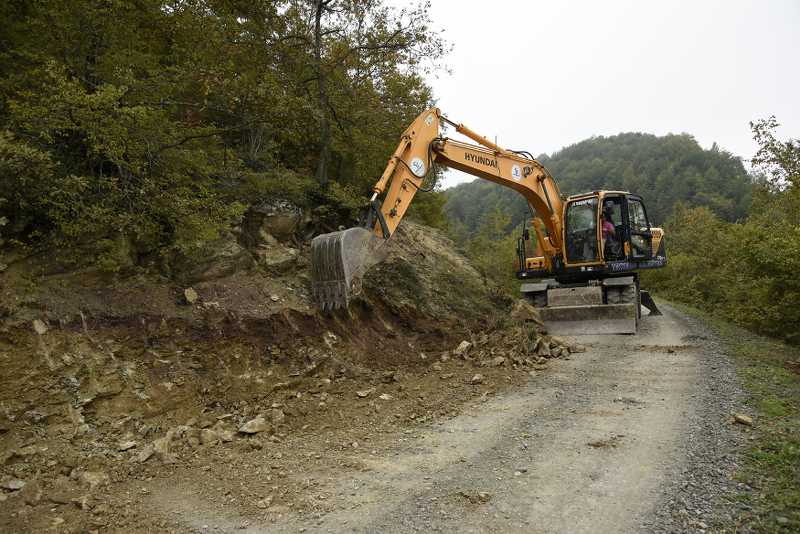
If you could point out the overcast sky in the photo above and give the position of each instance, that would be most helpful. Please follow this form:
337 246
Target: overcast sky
544 74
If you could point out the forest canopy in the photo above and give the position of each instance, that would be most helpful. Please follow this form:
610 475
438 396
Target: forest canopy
157 124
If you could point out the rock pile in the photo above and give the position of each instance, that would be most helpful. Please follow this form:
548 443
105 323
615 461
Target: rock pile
523 342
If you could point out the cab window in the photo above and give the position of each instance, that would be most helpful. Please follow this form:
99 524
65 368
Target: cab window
581 231
640 228
637 217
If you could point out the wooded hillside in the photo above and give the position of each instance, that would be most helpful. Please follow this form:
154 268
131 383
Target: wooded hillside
135 132
665 170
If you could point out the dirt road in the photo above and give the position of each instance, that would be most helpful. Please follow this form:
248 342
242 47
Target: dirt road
597 443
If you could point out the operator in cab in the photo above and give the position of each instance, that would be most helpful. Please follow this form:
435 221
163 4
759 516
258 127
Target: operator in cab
610 244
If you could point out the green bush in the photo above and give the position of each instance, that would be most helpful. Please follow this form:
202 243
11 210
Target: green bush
745 271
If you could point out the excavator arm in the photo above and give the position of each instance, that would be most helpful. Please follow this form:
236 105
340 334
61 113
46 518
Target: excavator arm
339 259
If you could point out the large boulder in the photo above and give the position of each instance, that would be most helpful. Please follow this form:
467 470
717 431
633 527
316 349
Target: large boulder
217 259
278 219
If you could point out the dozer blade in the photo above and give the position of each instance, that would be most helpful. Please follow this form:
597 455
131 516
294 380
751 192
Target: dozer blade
590 319
339 261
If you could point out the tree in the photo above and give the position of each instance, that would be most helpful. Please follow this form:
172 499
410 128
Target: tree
157 123
357 47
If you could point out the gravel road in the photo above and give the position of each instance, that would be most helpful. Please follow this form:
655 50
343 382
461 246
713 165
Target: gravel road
631 436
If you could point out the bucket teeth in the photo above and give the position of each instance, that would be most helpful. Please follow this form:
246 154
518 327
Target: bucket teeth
338 261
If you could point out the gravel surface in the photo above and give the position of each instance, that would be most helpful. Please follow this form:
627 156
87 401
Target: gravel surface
699 489
633 435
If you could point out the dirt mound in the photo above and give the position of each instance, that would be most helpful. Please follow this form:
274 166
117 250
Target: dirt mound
109 382
424 275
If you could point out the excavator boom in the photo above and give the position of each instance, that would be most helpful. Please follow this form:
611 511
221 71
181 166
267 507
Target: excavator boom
339 259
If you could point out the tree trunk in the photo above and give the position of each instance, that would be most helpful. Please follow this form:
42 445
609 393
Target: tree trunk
322 96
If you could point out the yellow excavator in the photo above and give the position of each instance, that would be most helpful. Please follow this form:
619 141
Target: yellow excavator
578 265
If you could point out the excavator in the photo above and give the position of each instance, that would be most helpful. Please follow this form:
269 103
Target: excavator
578 261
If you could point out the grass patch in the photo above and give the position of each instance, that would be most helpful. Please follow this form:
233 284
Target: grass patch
768 370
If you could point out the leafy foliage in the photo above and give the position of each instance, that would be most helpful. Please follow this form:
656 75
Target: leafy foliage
156 124
744 271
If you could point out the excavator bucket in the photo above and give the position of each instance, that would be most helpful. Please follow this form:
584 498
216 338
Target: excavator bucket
338 263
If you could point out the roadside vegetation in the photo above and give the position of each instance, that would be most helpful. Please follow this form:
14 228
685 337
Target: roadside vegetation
769 371
743 271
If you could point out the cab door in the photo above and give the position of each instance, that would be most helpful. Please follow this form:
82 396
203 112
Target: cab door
640 237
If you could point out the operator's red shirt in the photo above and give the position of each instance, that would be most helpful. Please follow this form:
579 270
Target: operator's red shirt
608 229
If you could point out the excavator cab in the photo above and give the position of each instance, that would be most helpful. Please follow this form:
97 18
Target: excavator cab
605 232
594 288
606 229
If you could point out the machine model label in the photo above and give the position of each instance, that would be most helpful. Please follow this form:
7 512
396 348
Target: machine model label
418 167
516 173
480 159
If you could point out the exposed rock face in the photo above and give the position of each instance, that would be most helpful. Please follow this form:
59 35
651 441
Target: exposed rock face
218 259
276 219
276 257
269 230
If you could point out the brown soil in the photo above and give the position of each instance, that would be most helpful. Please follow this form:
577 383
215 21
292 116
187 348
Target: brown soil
110 383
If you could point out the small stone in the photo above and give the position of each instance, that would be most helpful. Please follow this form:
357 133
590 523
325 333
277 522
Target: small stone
462 348
544 349
574 349
254 426
208 437
190 295
365 393
385 397
477 379
62 492
162 447
12 484
126 446
497 362
31 493
274 298
39 327
264 503
56 522
277 416
205 422
436 367
145 454
95 478
476 497
743 419
389 377
447 376
225 435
